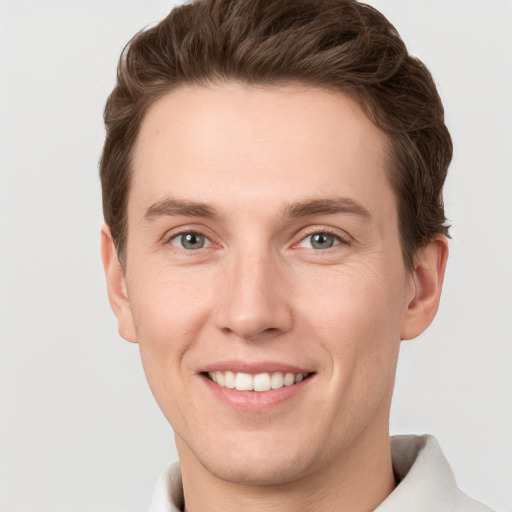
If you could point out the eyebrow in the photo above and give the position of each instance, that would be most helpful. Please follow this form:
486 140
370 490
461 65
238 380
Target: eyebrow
175 207
330 206
170 207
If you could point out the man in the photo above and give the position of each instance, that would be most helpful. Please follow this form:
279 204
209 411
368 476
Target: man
272 188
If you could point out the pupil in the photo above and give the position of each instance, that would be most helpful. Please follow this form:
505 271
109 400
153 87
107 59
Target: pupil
192 241
322 241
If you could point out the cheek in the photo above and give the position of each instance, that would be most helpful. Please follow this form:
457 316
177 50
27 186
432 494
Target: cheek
168 324
356 314
169 311
167 303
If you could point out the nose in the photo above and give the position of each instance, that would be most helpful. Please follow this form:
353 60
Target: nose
255 302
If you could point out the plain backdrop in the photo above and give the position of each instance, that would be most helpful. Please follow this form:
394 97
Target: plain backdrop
79 430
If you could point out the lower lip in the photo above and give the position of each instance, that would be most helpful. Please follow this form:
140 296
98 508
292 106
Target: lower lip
256 400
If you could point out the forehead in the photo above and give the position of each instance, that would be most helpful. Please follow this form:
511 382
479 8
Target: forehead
229 144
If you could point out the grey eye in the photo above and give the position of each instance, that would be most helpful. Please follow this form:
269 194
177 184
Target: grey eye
190 241
320 241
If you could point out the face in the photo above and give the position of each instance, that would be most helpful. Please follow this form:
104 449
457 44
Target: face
264 278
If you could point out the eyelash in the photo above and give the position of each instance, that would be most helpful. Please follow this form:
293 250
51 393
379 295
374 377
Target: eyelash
340 239
176 236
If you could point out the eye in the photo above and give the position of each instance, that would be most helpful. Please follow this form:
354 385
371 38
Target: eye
320 241
190 241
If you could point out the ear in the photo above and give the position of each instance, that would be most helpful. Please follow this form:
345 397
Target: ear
428 277
116 287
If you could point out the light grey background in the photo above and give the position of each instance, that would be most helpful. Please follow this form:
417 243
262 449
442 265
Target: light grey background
79 430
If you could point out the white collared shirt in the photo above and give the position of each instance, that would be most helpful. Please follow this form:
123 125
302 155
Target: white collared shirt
425 482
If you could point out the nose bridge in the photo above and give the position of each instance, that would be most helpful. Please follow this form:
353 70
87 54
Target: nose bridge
254 301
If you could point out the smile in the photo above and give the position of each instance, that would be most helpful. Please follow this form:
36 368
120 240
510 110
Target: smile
259 382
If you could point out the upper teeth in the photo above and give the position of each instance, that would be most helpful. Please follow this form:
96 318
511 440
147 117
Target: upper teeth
259 382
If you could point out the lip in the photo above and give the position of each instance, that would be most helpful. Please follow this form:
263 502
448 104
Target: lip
254 367
255 401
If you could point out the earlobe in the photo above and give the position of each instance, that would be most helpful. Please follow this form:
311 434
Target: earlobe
116 287
428 277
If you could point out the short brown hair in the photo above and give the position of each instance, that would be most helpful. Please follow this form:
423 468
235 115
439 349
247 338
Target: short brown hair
340 45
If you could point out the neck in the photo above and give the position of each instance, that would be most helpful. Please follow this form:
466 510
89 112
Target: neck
357 481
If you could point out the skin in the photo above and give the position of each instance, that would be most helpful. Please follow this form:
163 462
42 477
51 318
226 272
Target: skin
259 293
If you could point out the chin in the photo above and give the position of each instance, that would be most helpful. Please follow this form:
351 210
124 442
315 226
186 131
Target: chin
262 462
257 471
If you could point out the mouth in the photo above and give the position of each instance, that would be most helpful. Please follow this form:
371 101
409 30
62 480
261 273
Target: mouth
258 382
